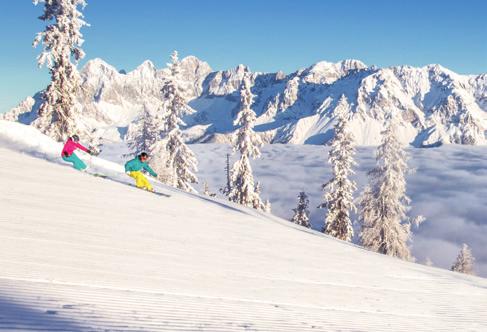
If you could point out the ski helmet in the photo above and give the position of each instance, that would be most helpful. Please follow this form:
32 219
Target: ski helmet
75 138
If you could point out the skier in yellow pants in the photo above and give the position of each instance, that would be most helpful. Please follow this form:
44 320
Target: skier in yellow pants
134 169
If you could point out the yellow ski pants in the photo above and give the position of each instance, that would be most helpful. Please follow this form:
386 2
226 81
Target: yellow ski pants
141 181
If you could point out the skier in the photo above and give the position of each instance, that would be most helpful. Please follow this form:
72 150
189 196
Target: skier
134 168
69 156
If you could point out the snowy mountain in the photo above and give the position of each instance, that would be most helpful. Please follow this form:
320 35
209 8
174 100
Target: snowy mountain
437 105
93 254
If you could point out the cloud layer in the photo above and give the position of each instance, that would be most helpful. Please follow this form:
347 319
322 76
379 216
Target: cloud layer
448 187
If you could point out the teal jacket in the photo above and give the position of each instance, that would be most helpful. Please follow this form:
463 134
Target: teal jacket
136 165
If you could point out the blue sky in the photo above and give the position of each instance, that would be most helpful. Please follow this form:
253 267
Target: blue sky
267 35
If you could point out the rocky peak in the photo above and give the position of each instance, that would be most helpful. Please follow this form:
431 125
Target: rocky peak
324 72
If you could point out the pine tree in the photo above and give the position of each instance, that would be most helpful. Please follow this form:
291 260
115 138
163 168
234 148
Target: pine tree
226 190
267 207
180 160
206 189
301 212
159 160
61 42
258 203
247 142
145 132
384 204
464 262
338 198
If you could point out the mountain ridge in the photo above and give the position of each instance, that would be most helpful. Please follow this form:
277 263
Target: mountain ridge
437 105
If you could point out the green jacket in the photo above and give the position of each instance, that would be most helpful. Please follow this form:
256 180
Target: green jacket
136 165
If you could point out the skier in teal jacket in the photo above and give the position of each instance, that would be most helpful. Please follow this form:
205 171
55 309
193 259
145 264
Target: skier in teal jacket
134 169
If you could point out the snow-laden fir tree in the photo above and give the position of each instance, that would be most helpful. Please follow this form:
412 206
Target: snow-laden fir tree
206 189
226 190
301 212
384 204
61 41
338 198
464 262
145 132
247 142
267 207
146 135
180 159
258 203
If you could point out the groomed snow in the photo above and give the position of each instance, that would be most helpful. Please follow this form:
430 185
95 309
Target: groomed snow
80 253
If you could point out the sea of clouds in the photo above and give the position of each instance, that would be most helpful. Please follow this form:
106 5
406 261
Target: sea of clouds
448 187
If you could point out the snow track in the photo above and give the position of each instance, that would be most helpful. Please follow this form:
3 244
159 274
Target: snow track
63 306
80 253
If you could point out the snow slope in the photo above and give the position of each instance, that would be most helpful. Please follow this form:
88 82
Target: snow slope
437 105
80 253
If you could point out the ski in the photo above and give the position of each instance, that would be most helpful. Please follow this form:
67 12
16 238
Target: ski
151 192
129 184
99 175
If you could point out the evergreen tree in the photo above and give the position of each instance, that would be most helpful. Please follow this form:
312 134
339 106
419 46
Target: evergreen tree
145 132
61 42
338 198
159 162
464 262
247 142
180 159
226 190
301 212
206 190
384 204
267 207
258 203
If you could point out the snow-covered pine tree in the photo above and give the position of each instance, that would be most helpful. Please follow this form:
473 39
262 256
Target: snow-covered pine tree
267 207
247 142
180 160
145 132
146 135
226 190
258 203
301 212
338 198
464 262
159 162
62 41
206 189
384 204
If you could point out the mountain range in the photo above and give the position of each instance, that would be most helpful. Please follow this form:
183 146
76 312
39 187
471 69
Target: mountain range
436 105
